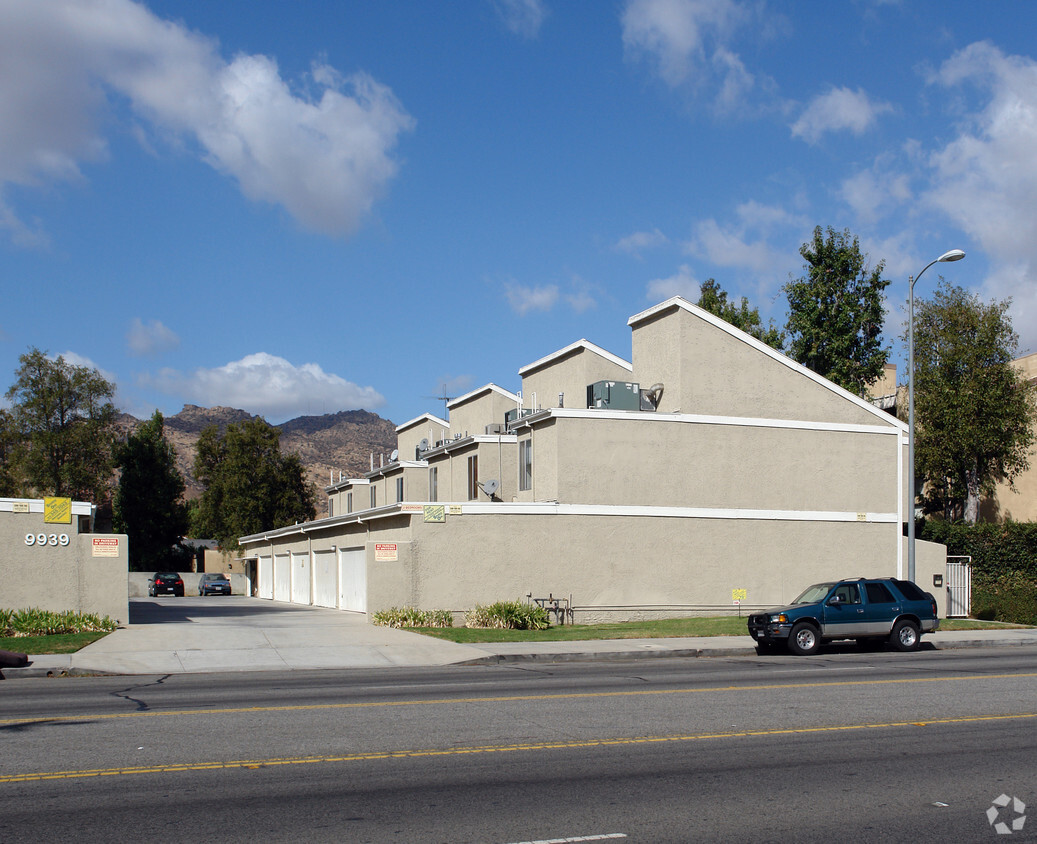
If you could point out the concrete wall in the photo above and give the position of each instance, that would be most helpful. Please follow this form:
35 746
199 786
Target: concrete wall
70 570
569 373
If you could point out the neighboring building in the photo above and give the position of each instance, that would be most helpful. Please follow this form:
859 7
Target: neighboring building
710 468
51 559
1019 504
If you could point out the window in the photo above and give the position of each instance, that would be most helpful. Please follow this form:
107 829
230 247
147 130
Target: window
374 496
331 507
847 593
473 477
399 489
525 464
349 502
879 594
433 483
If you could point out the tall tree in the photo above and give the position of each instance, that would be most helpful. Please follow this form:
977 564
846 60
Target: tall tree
713 298
10 483
249 485
836 311
64 424
149 506
974 412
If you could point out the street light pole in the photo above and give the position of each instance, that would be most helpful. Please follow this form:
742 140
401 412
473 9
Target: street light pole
953 255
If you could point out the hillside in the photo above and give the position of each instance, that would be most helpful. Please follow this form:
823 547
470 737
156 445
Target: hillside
326 445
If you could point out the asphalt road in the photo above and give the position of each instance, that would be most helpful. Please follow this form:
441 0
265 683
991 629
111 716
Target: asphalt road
838 746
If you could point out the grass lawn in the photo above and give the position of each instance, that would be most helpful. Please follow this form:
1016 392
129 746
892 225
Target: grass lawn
66 643
655 629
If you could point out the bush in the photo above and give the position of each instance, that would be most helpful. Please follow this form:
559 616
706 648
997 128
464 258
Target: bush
1004 566
508 615
413 617
37 622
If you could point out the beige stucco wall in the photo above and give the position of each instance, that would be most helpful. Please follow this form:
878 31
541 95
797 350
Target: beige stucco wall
469 415
78 576
425 427
569 374
718 371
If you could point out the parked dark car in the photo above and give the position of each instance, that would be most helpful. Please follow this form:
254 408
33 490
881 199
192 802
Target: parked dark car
166 583
870 610
214 584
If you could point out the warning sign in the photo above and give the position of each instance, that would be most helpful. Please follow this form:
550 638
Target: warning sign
57 511
386 552
105 546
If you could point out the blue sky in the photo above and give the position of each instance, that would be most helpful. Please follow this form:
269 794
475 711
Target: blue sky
304 208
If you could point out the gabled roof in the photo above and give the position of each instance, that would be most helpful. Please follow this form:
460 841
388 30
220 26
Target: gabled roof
579 344
489 388
425 417
683 304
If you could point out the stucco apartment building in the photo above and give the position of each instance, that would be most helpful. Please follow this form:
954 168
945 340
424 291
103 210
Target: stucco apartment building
708 468
1018 504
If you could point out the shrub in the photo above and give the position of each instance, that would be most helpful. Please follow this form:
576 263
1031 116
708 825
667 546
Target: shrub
413 617
37 622
509 615
1011 598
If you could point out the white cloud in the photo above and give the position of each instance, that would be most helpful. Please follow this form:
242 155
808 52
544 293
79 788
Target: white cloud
145 340
524 299
324 156
266 385
688 44
681 283
639 241
838 110
522 17
744 244
873 193
985 180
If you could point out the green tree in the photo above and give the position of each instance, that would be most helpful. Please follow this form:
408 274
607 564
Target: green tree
713 298
836 312
63 424
149 505
249 485
974 412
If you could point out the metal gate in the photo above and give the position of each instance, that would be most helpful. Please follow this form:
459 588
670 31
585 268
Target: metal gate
959 587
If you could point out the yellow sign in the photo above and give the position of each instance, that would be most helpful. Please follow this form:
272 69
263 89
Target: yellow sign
57 511
455 510
435 513
739 595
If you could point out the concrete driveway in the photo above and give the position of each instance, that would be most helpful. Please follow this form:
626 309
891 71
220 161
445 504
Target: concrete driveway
196 635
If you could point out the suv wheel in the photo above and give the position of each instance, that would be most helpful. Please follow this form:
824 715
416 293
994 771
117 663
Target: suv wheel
905 636
804 639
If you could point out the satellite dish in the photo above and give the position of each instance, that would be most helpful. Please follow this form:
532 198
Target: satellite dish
423 445
490 486
394 456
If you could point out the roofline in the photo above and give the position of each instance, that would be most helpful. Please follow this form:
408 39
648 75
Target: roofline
488 388
683 304
425 416
585 344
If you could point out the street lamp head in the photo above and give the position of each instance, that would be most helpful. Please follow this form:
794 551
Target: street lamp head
953 255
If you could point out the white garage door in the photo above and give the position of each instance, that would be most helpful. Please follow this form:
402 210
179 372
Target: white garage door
266 577
352 578
282 577
325 579
300 579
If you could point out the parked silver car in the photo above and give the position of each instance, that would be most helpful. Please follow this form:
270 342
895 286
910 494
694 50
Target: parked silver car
214 584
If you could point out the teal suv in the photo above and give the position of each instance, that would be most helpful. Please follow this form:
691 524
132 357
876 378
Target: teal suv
870 610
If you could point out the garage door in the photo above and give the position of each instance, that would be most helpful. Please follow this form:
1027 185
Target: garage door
325 579
300 579
352 567
266 577
282 577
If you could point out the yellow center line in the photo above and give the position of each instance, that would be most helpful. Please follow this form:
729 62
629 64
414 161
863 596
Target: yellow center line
162 713
258 764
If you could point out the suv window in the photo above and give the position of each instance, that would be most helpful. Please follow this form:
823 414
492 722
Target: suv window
848 593
879 594
910 591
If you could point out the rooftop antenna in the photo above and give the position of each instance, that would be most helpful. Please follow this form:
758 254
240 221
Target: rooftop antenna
443 398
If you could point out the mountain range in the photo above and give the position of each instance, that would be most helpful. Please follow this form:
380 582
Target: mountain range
330 445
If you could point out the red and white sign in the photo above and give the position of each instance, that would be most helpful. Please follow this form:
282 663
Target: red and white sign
105 546
386 552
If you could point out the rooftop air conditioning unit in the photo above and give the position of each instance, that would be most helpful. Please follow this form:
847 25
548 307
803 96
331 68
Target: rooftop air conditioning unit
495 428
614 395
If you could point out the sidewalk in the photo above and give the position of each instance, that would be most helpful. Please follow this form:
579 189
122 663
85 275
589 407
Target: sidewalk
282 637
